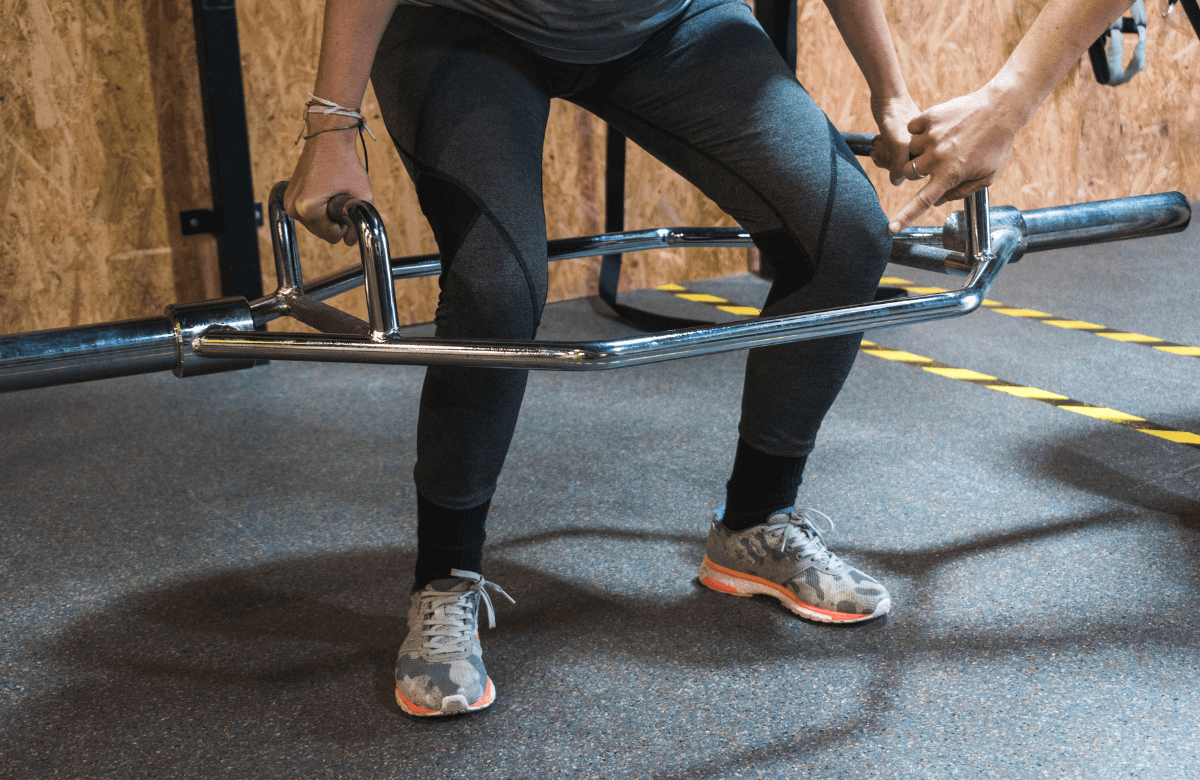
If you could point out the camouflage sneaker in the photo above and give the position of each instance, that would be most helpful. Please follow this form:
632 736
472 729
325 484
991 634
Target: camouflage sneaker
439 670
787 558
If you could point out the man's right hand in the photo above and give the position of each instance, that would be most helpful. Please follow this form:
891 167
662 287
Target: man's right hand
328 166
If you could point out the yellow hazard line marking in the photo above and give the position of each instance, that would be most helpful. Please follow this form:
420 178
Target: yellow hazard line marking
745 311
714 300
1033 314
700 297
984 380
1035 394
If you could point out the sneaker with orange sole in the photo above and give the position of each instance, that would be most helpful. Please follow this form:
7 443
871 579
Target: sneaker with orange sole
787 558
439 670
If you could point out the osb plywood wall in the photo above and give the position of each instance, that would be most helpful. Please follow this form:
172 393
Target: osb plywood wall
92 125
103 146
1088 141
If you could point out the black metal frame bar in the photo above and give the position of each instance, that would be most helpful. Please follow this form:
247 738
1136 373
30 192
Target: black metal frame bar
778 20
235 215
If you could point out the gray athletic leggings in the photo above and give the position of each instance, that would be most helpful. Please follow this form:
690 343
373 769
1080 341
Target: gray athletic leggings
708 95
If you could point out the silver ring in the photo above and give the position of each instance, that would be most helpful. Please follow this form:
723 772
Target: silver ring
917 173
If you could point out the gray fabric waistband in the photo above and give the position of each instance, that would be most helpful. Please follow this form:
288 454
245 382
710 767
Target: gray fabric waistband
574 31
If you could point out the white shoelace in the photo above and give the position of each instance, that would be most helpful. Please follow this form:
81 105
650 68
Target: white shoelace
800 532
445 616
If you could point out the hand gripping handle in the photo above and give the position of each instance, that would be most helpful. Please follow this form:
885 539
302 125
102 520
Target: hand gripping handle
335 209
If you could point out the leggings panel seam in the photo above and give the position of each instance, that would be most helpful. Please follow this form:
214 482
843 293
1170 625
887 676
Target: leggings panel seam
828 216
522 263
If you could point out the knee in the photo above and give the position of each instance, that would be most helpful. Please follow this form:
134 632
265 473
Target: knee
498 305
493 282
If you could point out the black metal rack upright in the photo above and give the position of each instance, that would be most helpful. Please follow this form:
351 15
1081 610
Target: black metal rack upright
234 217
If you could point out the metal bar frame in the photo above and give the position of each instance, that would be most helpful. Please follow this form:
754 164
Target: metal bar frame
219 335
999 249
977 244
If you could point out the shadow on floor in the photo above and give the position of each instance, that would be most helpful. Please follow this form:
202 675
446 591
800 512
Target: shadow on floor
196 672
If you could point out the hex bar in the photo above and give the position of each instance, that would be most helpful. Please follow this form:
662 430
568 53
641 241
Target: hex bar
105 350
589 356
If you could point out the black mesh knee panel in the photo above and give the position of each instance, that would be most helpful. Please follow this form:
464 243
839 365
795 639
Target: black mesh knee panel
790 267
450 211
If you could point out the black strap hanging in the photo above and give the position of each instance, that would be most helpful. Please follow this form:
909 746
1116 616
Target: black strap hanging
1191 7
1108 52
610 265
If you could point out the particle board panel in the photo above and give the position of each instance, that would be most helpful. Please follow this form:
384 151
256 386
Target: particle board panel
83 227
182 153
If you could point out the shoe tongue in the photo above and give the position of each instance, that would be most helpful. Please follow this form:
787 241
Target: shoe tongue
450 585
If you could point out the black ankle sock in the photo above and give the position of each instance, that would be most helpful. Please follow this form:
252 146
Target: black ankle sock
448 539
760 485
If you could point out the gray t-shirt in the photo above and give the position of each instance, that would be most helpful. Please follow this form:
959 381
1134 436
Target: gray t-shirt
575 31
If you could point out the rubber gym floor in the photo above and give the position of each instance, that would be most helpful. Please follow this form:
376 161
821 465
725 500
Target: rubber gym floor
207 577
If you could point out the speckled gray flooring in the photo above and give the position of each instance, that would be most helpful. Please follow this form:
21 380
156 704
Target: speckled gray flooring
204 578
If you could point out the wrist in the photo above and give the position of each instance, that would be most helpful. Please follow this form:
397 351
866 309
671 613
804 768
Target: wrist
327 130
1012 101
884 102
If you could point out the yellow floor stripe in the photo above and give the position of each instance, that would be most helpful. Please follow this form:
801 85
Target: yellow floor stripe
1074 324
1186 438
959 373
1182 437
898 355
1028 392
1030 313
1099 412
700 297
1135 337
1035 394
745 311
1050 319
